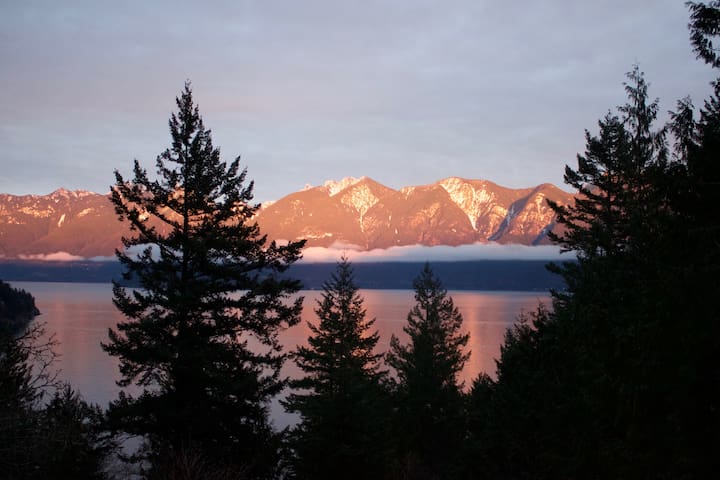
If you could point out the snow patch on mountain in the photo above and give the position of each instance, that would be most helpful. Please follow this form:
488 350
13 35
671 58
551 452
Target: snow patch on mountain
540 202
37 212
535 213
473 201
360 198
65 194
316 235
334 187
509 217
407 191
61 221
60 194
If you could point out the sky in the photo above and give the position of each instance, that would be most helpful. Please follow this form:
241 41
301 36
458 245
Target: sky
405 92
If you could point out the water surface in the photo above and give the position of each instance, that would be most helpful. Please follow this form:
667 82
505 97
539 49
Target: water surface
80 314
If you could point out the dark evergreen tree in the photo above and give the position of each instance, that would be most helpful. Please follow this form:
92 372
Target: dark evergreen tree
62 439
513 427
428 393
683 128
340 399
704 27
614 180
593 389
620 380
693 267
24 374
17 308
72 442
201 336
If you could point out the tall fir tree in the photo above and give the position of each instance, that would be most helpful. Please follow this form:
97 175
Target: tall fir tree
695 261
340 399
201 335
704 140
428 393
619 380
614 180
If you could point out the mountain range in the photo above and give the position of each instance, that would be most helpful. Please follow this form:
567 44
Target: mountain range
354 212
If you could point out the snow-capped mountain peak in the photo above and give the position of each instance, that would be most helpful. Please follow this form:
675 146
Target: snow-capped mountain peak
334 187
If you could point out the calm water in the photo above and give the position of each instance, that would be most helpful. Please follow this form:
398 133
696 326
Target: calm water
79 314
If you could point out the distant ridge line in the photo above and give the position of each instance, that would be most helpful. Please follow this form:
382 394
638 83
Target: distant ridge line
357 213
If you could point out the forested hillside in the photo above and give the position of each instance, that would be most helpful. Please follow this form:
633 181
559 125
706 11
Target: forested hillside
17 307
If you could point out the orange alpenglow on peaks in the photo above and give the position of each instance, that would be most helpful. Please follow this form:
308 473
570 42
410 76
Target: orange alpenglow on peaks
359 213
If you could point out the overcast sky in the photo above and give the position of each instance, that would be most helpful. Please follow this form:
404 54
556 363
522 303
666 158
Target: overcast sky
406 92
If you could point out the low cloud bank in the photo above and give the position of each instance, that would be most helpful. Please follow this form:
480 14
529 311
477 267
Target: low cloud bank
421 253
61 257
410 253
52 257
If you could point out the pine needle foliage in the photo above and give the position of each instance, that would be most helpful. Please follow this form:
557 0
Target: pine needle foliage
340 398
201 332
428 394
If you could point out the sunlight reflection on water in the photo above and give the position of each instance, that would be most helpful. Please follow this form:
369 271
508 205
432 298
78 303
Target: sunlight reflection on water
79 314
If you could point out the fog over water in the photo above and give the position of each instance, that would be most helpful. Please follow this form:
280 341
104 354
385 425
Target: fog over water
437 253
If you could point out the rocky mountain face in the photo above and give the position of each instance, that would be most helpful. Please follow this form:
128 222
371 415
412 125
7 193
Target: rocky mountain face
359 212
453 211
78 223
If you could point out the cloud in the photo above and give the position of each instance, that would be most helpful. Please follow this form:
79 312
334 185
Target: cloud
297 98
53 257
103 259
355 253
420 253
